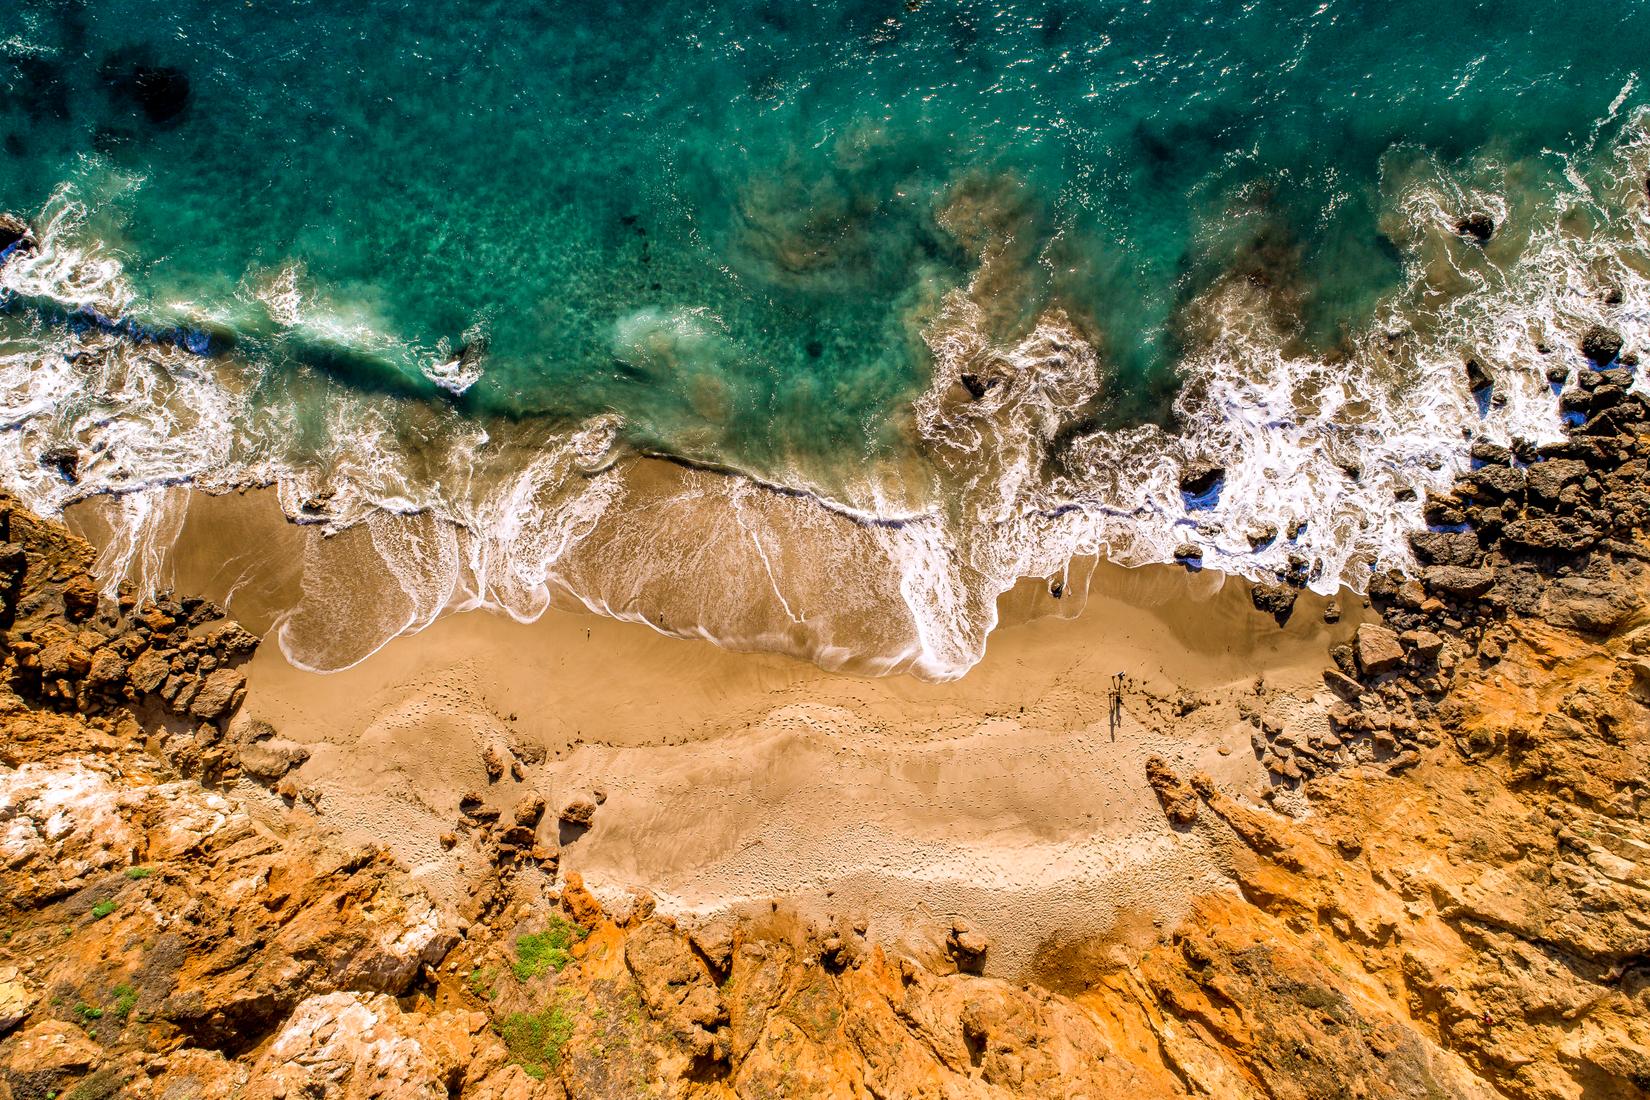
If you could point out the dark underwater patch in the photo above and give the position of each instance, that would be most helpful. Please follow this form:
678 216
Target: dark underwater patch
160 93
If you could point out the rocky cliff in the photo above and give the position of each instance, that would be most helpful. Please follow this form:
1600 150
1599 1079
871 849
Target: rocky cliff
1446 893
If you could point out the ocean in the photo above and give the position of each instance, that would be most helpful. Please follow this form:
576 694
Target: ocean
806 326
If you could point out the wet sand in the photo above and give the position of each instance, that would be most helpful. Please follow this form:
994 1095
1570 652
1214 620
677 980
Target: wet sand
1008 796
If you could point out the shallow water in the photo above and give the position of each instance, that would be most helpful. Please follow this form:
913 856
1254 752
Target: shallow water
948 263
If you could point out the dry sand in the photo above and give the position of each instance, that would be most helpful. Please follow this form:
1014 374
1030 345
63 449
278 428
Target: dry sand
1006 797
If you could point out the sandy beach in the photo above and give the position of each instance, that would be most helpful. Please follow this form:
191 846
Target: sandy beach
725 779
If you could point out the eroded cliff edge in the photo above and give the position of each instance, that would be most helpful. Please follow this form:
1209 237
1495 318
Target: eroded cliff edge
1446 894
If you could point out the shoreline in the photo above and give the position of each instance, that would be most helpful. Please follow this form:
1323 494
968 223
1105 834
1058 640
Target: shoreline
731 777
1456 841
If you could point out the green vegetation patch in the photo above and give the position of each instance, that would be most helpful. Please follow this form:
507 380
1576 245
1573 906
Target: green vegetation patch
547 951
126 999
138 873
104 908
480 980
535 1039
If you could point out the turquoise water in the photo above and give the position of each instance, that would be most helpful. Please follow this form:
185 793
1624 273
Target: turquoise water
724 221
983 280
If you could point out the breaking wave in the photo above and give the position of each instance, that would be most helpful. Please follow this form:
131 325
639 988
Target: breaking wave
1318 462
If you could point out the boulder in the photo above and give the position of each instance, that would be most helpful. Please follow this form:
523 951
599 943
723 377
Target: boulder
47 1054
79 597
149 671
1443 511
967 945
492 760
350 1045
714 940
1546 480
1276 600
64 660
1342 684
229 638
1458 581
1423 643
219 693
65 460
1376 649
580 903
271 758
16 1002
528 811
108 669
1198 478
1262 534
1590 606
14 231
1601 344
1494 482
472 806
1478 379
1490 454
579 812
674 984
1446 547
1542 533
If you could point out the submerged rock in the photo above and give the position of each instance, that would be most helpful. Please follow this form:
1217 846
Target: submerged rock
65 460
1478 379
1477 226
160 92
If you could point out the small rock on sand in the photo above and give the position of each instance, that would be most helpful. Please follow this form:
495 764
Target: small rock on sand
529 810
580 812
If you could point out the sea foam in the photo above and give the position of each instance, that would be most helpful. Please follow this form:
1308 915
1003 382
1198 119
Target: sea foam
897 568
